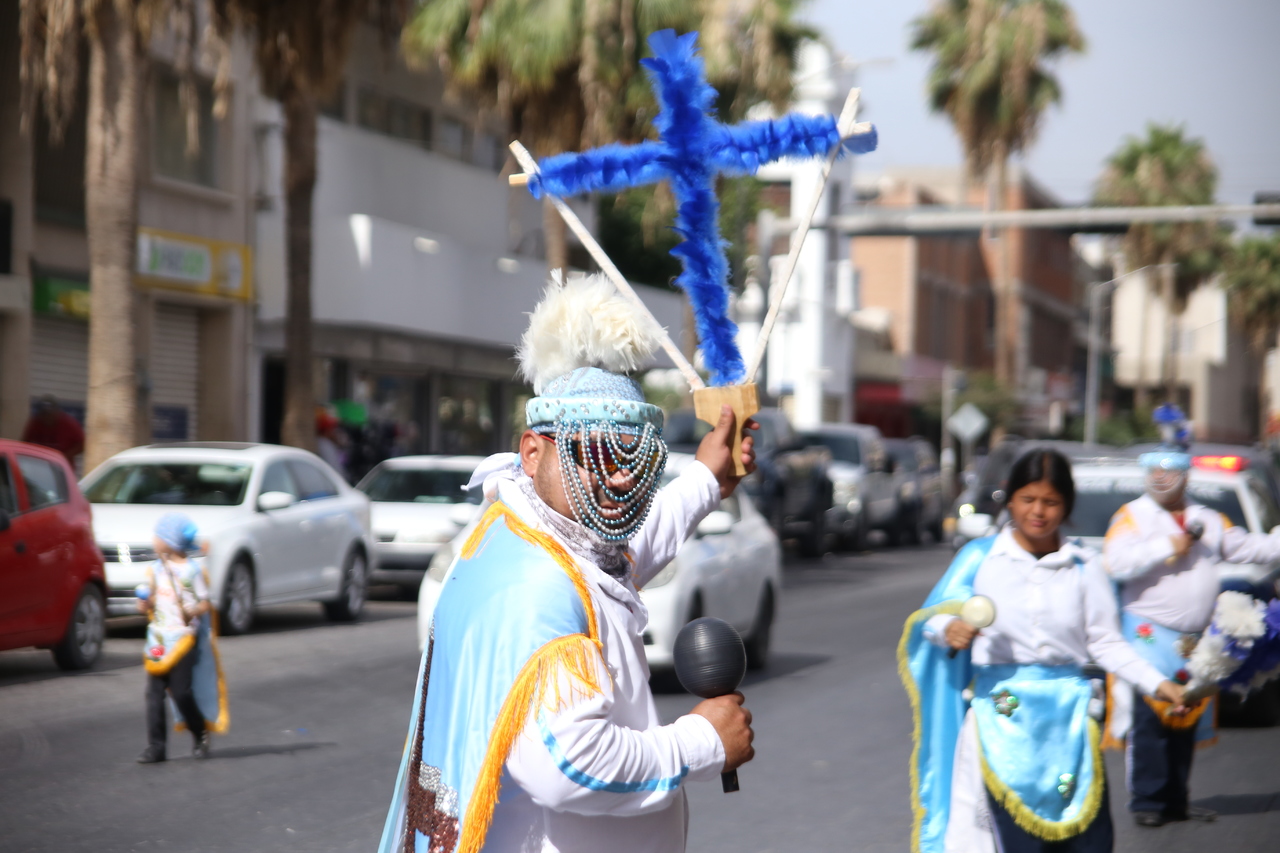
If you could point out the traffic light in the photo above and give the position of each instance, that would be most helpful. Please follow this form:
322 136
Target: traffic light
1266 198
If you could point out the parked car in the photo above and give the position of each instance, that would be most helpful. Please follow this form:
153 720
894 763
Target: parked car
791 485
731 568
418 506
1241 495
863 494
52 586
917 479
278 524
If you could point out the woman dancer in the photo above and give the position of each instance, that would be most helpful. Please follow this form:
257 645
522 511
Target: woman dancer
1007 755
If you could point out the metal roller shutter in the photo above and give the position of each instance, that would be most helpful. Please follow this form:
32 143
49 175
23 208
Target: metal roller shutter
175 370
60 361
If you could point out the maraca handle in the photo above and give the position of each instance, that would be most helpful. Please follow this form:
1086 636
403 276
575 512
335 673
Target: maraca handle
729 781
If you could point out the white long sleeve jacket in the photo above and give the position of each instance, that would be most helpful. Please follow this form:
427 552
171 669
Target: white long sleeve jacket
604 775
1176 593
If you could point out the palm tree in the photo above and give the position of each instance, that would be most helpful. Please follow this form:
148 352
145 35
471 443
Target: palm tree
1251 278
301 49
1166 168
119 38
563 74
990 77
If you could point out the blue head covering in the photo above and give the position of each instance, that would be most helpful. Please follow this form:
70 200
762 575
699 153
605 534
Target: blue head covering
1166 459
177 531
590 395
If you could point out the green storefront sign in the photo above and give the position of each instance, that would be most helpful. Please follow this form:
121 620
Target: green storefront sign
59 296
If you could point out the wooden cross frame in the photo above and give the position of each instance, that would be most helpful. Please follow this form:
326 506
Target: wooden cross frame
707 401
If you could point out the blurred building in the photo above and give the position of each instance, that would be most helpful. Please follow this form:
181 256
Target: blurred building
1216 374
424 267
926 300
194 274
808 368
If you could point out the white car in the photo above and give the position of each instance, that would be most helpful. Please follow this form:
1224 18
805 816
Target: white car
731 568
418 507
1240 495
279 525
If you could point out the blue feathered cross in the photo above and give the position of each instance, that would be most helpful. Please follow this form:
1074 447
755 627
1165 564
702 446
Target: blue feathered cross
691 149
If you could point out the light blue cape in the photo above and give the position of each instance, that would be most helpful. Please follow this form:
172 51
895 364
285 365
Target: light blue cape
507 602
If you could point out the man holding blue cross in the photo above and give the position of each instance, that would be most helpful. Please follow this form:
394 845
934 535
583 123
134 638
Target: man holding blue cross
533 726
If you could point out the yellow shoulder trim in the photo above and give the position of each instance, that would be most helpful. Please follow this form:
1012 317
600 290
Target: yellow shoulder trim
546 542
1030 821
951 608
1122 522
1226 522
538 683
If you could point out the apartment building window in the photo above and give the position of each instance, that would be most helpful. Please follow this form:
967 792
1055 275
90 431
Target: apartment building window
454 139
334 104
487 152
394 117
170 157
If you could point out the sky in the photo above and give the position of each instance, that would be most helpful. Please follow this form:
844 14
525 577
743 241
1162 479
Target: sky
1212 65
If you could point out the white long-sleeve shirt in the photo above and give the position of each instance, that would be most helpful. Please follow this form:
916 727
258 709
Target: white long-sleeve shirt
604 774
1176 593
1059 609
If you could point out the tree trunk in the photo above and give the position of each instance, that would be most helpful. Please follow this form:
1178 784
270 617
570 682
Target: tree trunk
1006 301
117 73
1168 367
299 427
556 237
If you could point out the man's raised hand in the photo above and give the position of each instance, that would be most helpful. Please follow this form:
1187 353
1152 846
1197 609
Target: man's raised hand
716 451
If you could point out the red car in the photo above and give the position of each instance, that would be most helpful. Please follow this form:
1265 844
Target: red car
51 577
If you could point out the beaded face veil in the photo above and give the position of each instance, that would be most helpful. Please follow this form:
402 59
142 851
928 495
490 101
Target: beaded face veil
581 339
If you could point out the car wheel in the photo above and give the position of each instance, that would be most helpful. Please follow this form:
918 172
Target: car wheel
81 645
911 526
355 580
237 599
814 540
761 632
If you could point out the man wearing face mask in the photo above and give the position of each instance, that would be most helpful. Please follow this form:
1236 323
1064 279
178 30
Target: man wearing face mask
1163 550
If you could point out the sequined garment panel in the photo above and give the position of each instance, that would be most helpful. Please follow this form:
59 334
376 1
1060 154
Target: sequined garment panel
432 807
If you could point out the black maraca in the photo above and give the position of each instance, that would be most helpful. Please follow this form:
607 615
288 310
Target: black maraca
710 661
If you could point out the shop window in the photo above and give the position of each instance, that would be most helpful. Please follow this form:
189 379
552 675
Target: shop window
170 155
394 117
454 139
465 415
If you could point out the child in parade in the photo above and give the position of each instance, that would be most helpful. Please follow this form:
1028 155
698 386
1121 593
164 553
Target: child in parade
1018 766
180 655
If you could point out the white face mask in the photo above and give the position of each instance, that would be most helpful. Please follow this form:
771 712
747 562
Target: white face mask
1166 486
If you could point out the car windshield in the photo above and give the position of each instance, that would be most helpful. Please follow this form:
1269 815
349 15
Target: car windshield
179 483
844 448
904 456
430 486
1098 498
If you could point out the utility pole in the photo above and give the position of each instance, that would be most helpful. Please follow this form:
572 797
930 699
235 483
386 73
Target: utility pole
947 457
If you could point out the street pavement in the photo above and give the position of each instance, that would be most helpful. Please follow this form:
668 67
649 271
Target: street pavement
319 713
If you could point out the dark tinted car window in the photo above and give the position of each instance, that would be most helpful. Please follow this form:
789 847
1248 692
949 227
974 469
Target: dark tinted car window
45 482
1098 499
904 455
278 479
844 448
312 482
8 494
180 483
400 485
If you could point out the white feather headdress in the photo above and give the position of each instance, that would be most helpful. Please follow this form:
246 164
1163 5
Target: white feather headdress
584 322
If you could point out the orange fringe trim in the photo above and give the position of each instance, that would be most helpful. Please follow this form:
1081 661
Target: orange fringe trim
538 682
